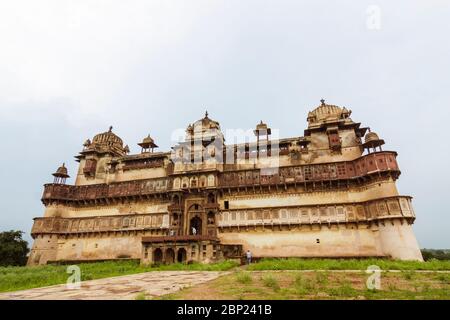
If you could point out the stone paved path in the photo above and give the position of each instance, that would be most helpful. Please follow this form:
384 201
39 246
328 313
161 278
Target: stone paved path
154 283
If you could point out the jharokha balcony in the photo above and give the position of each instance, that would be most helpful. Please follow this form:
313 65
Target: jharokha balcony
361 169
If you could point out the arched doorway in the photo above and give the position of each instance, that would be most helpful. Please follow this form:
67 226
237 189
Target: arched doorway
170 256
195 223
181 255
157 256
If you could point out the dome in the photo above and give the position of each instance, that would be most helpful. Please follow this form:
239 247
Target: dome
372 140
261 126
326 112
61 172
204 128
108 138
106 142
262 129
206 123
147 144
370 137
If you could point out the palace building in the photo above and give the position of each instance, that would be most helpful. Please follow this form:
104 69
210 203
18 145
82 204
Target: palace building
329 193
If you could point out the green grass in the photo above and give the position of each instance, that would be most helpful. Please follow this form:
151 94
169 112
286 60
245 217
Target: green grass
244 277
318 285
270 282
408 275
141 296
346 264
20 278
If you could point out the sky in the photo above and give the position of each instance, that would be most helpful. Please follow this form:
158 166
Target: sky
70 69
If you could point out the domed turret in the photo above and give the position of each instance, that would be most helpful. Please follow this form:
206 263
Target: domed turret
61 175
147 144
262 130
204 129
371 140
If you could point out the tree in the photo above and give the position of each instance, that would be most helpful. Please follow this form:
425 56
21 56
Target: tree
13 249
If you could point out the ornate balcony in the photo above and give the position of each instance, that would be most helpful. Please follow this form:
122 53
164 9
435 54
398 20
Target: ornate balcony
365 166
105 191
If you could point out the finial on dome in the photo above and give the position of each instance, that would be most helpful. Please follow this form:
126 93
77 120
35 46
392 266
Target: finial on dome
322 101
206 114
110 128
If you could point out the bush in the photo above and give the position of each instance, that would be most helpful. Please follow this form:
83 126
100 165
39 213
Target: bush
430 254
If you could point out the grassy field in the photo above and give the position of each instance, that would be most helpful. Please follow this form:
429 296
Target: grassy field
19 278
293 279
266 279
347 264
296 285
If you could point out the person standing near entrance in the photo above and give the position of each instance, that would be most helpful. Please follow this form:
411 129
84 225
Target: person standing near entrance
248 254
194 231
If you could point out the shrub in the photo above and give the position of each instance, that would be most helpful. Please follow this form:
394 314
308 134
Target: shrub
244 277
271 282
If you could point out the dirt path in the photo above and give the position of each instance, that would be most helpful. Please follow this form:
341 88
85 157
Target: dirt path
154 284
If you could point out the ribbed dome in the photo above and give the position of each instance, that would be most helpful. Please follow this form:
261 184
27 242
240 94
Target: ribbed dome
327 112
108 138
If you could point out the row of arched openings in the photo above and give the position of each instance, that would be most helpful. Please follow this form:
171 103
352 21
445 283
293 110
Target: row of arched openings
170 255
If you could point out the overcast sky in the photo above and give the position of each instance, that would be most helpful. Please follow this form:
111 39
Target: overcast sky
70 69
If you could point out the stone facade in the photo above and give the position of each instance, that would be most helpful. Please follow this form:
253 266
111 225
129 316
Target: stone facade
328 193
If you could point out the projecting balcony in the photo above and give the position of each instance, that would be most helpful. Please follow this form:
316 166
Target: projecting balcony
373 164
105 191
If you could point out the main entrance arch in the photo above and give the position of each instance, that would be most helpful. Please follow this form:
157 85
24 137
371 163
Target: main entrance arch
196 215
195 223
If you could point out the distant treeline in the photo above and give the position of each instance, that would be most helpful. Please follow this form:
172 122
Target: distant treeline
439 254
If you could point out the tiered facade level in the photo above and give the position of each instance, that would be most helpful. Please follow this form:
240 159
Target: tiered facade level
329 193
